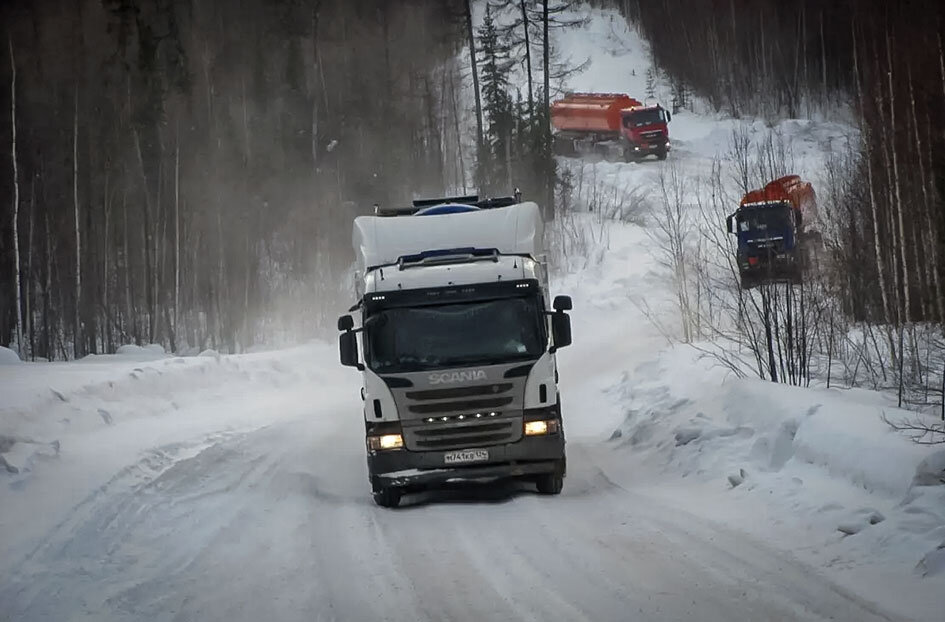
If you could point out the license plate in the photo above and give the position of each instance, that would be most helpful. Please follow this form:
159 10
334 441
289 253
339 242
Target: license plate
466 455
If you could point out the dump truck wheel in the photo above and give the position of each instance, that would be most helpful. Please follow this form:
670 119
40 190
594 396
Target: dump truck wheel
563 147
661 154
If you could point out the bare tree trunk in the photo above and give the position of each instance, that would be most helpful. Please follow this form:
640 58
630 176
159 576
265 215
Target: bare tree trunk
806 88
941 69
157 258
528 61
459 136
129 298
475 75
931 266
877 249
769 337
823 62
176 232
546 42
549 197
106 306
16 205
150 294
30 325
47 288
77 336
895 165
316 66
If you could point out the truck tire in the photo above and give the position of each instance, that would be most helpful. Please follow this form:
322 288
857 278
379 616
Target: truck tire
661 154
563 147
797 276
551 483
387 497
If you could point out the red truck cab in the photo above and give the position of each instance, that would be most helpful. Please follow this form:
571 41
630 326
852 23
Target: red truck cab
646 131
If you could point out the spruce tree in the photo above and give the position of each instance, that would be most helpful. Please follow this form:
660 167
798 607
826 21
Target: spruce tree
497 105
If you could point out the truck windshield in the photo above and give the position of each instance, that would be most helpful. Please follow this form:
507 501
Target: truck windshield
454 335
643 117
774 218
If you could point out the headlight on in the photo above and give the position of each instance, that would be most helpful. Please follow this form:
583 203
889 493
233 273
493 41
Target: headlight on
387 441
538 428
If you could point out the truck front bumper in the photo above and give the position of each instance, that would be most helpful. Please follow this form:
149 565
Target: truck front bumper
650 147
417 469
763 264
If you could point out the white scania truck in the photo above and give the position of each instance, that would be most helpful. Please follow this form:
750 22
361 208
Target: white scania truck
457 346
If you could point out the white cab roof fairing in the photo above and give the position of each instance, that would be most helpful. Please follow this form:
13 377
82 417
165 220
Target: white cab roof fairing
505 268
382 240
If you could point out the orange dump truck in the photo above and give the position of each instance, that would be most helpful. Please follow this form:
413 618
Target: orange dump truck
772 225
609 123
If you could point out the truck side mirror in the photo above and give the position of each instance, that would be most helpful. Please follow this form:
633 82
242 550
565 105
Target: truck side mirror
345 323
669 116
348 347
562 303
728 224
560 330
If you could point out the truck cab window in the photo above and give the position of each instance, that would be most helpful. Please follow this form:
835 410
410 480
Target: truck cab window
474 333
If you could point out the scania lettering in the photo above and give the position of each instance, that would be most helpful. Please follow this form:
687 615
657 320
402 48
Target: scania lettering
457 346
457 376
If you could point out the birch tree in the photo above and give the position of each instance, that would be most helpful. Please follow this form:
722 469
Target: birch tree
16 204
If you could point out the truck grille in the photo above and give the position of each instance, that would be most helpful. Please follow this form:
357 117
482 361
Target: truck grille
652 137
476 433
468 416
467 405
763 247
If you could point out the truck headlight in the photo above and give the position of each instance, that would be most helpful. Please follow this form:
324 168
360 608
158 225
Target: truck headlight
387 441
541 427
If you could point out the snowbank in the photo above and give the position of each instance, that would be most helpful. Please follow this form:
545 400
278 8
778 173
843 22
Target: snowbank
8 357
49 404
815 471
152 350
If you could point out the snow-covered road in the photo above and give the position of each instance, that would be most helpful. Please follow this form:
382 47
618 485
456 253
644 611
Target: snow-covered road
235 488
276 524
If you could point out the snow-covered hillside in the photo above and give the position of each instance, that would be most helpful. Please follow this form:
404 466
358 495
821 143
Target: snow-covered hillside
148 486
817 471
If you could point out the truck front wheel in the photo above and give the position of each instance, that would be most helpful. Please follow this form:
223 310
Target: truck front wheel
387 497
551 483
661 154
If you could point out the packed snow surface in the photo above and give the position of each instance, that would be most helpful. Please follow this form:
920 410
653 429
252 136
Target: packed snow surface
144 485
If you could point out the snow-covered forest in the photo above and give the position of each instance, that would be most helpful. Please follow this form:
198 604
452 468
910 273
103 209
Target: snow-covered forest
186 173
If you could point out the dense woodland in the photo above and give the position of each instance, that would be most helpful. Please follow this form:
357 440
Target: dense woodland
186 172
